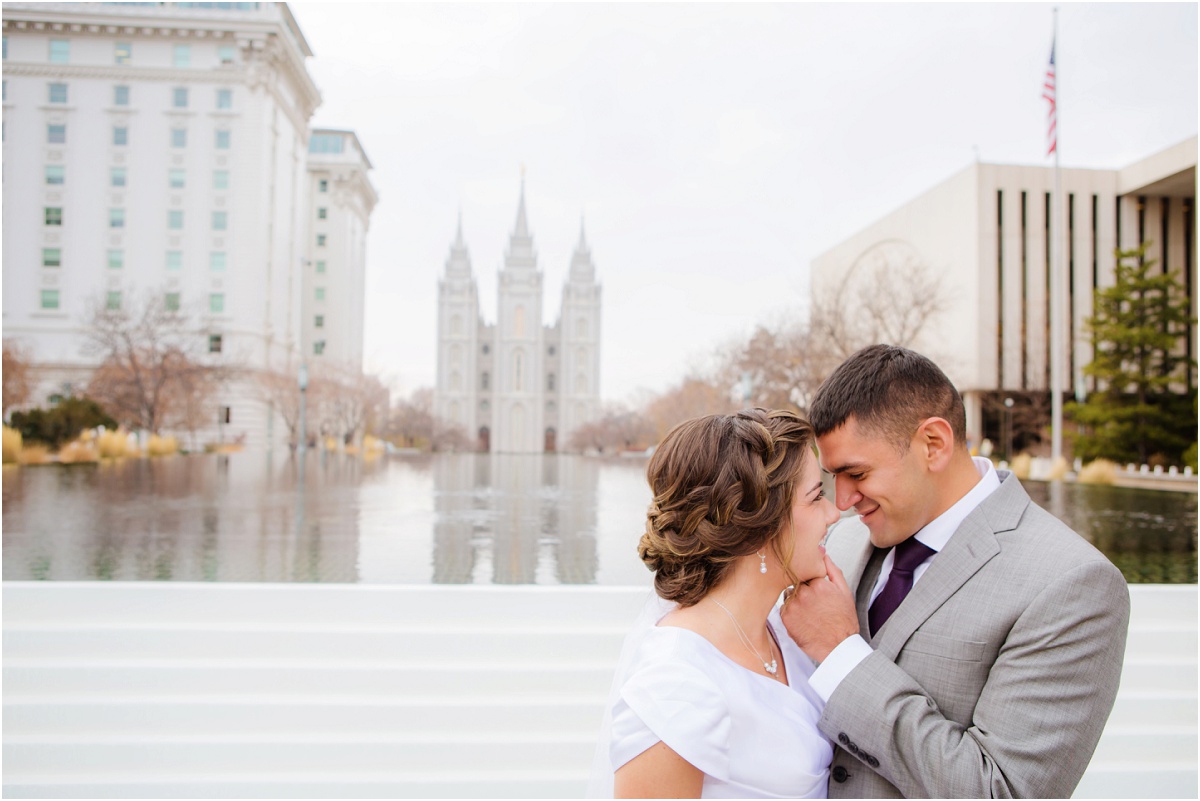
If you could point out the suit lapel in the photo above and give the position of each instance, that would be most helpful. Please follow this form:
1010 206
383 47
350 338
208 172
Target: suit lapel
973 544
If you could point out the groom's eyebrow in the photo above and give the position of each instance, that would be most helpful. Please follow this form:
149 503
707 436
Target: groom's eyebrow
842 468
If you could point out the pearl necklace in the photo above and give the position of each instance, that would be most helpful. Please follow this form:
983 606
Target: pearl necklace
771 667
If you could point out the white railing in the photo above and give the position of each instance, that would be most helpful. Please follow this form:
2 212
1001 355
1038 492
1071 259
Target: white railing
135 690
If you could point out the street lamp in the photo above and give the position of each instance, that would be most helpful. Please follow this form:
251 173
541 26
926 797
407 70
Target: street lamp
302 381
1008 427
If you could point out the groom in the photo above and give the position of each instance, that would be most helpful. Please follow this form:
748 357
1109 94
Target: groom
973 646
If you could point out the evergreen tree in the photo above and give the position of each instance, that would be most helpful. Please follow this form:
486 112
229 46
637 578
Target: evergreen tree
1138 409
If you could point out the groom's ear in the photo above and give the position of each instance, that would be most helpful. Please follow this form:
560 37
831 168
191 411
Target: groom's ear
935 443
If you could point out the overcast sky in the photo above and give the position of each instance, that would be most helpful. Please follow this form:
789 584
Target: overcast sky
713 150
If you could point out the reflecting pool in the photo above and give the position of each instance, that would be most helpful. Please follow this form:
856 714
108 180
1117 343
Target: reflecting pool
445 519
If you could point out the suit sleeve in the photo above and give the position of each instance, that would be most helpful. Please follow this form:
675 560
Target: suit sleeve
1039 716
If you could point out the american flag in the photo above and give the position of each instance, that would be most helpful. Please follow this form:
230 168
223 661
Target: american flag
1048 92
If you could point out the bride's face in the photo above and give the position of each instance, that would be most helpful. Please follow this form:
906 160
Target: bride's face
812 514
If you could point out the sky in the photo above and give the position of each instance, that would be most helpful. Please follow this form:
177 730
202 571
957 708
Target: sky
707 151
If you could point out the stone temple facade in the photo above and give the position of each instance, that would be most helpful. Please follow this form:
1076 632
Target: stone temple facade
516 385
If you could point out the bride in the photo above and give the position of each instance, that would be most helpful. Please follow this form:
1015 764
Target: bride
711 696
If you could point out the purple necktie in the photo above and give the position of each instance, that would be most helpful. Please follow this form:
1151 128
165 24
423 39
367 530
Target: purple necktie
908 556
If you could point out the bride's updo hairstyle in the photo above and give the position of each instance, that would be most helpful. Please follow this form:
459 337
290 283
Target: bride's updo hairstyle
723 488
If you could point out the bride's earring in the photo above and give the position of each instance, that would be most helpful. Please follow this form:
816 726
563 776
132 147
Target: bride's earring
762 568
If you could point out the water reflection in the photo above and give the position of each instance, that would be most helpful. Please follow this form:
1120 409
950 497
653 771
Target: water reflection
447 519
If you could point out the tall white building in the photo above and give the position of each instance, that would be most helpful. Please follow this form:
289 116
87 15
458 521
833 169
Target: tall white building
984 235
518 386
165 148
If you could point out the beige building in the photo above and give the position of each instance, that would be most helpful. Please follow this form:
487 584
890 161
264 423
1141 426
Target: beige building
983 237
164 149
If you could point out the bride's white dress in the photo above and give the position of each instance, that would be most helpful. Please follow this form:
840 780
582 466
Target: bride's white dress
751 735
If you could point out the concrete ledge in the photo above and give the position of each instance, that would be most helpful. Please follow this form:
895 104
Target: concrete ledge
138 690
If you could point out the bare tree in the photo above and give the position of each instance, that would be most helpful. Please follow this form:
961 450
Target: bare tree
618 428
889 295
281 391
779 367
152 374
16 376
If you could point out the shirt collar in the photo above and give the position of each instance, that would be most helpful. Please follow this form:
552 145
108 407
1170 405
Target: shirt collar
939 530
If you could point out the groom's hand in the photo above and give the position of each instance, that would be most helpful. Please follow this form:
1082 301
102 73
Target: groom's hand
820 613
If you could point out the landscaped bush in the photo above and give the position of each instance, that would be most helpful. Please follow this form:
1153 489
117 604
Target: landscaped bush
115 445
34 453
60 423
78 451
1100 471
162 446
1021 465
12 445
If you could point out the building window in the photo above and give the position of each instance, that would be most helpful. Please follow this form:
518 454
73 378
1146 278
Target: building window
219 220
216 261
325 143
485 380
116 218
51 257
174 259
122 52
486 350
58 93
549 382
183 56
5 47
550 350
179 97
319 321
120 136
116 176
176 179
216 302
112 301
224 98
116 259
214 343
175 219
49 298
179 137
222 140
56 134
320 240
225 54
60 51
54 215
171 301
321 214
55 174
319 347
220 179
320 293
322 185
120 95
320 266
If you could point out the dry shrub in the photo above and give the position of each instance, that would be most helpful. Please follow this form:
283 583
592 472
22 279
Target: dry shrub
34 454
1059 469
331 443
12 445
1101 471
162 446
115 445
78 451
1021 465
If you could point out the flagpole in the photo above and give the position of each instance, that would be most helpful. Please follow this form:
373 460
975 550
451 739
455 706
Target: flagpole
1056 289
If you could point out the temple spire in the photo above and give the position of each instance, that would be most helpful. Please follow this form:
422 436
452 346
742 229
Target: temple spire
522 227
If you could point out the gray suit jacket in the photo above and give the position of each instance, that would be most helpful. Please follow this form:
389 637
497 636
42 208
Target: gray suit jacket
995 676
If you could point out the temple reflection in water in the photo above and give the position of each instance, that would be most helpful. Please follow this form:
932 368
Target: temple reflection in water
514 519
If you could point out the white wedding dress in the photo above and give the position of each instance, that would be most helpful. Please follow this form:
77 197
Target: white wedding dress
751 735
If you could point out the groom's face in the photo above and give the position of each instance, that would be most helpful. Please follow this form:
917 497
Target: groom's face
890 490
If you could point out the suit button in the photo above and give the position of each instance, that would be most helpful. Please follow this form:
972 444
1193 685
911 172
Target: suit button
872 761
843 739
840 774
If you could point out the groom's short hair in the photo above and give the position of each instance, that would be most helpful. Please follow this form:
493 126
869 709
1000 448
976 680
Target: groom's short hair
889 390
